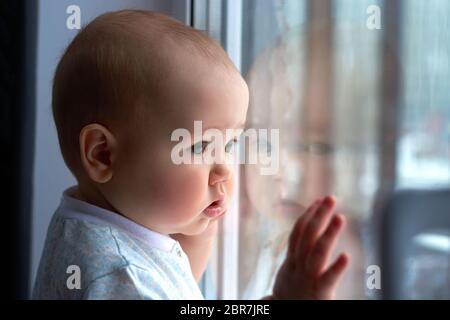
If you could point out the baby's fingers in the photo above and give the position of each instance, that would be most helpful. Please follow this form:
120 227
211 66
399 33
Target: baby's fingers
315 227
329 280
299 227
323 247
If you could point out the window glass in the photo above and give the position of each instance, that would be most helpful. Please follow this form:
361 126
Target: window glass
358 108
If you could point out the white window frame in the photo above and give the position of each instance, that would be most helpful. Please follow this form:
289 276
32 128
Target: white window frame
222 19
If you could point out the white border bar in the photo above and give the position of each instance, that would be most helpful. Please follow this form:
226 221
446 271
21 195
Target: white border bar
230 223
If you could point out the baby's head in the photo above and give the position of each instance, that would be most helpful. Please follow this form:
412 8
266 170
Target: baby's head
125 83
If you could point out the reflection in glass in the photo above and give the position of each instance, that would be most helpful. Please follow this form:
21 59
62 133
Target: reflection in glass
330 84
427 267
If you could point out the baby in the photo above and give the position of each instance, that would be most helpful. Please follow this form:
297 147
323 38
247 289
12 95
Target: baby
137 225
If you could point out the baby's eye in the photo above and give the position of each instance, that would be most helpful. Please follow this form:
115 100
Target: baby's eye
229 146
199 147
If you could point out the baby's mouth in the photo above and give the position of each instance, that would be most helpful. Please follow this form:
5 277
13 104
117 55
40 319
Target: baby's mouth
215 209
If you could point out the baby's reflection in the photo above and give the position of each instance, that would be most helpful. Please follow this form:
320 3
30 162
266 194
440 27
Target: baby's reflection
270 204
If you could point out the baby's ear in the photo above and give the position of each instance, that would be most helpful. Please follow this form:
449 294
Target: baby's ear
98 148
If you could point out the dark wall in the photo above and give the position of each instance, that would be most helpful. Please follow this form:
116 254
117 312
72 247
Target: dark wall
17 65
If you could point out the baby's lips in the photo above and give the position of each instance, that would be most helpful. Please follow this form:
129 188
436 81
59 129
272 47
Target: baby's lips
220 201
215 209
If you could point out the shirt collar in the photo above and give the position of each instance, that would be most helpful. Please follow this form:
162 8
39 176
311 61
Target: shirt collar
71 207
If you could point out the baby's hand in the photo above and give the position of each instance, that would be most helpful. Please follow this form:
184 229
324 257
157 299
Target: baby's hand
303 274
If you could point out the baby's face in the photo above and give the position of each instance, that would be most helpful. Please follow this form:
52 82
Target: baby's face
147 186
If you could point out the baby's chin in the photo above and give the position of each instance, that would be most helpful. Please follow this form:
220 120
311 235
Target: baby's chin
205 227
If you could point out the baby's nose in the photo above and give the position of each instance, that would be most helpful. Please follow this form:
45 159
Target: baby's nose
220 173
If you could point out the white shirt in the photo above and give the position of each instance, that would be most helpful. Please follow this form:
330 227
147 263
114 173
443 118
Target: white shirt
116 258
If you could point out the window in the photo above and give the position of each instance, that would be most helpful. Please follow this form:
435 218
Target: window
423 153
360 110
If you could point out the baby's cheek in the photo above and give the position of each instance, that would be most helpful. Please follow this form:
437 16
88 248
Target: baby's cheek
187 190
